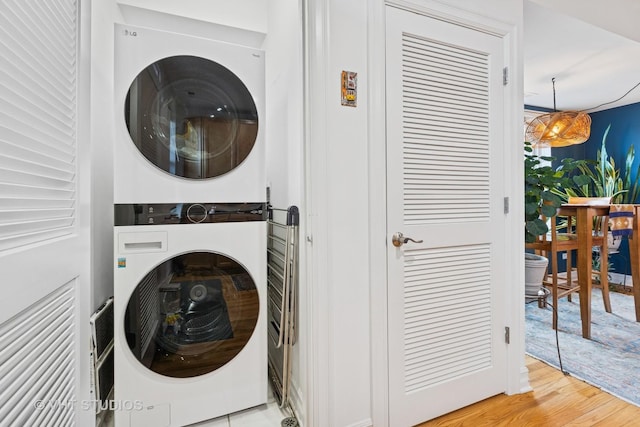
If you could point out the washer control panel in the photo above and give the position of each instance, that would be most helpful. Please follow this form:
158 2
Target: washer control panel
187 213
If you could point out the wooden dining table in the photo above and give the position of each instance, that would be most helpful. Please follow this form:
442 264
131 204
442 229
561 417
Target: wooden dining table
584 214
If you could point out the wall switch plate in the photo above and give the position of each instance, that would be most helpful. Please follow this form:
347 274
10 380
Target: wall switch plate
349 88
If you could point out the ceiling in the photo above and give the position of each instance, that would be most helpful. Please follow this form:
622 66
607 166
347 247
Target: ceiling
591 65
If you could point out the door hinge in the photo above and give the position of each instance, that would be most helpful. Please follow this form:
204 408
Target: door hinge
507 335
505 76
506 205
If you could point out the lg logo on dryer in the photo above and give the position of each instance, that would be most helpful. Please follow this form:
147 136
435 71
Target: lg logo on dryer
130 33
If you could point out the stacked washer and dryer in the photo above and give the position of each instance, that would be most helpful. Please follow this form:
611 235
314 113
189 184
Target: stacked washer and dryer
190 230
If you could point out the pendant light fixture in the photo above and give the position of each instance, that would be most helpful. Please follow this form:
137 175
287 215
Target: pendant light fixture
559 128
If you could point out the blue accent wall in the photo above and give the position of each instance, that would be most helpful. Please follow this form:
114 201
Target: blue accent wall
625 131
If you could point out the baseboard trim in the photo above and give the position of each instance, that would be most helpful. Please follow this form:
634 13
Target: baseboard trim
524 380
297 404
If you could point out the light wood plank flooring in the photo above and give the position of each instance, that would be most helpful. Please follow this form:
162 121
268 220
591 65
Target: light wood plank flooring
556 400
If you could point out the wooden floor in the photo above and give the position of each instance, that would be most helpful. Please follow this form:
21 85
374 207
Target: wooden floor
556 400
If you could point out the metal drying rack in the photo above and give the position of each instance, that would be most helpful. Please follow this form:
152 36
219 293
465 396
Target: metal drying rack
282 282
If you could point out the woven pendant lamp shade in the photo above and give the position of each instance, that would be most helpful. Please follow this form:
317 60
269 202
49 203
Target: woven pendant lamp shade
559 129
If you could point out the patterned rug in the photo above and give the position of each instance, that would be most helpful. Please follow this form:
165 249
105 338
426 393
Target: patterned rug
610 360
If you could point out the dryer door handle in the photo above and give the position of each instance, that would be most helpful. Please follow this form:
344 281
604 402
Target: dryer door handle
142 241
136 246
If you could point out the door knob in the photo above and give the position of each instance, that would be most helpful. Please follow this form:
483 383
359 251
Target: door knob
400 239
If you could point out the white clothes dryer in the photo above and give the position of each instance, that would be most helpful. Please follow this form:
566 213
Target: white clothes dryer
189 312
189 119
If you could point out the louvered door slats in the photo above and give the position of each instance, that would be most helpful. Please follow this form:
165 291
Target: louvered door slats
23 118
442 142
37 362
14 153
447 313
50 38
14 139
28 66
38 152
38 184
22 400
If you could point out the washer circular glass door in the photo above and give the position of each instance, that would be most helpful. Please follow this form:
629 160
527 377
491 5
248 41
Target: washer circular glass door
191 315
191 117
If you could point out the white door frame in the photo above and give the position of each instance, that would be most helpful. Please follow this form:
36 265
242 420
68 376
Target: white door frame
318 408
517 375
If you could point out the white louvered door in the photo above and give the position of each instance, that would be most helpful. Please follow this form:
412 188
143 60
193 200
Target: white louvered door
42 244
444 94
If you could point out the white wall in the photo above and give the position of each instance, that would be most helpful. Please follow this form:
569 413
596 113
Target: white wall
338 213
284 154
347 215
103 14
246 14
284 112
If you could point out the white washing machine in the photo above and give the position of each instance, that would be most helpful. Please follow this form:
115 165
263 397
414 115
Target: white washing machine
189 312
189 119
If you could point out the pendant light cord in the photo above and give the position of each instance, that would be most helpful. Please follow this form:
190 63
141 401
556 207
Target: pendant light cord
553 84
607 103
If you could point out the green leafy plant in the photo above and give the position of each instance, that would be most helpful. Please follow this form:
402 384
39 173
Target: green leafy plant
543 186
605 179
633 190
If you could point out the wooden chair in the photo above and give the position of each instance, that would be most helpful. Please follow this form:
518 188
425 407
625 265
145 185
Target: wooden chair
554 242
600 232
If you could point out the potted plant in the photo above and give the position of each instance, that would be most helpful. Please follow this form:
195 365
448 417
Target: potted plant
542 185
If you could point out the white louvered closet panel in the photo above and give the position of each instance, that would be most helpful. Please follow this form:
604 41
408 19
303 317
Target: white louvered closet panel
37 372
445 111
38 76
446 179
447 314
444 152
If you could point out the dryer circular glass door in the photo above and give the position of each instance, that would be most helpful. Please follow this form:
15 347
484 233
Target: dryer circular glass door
191 117
191 315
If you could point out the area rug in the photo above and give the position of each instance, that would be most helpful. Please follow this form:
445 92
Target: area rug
610 360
